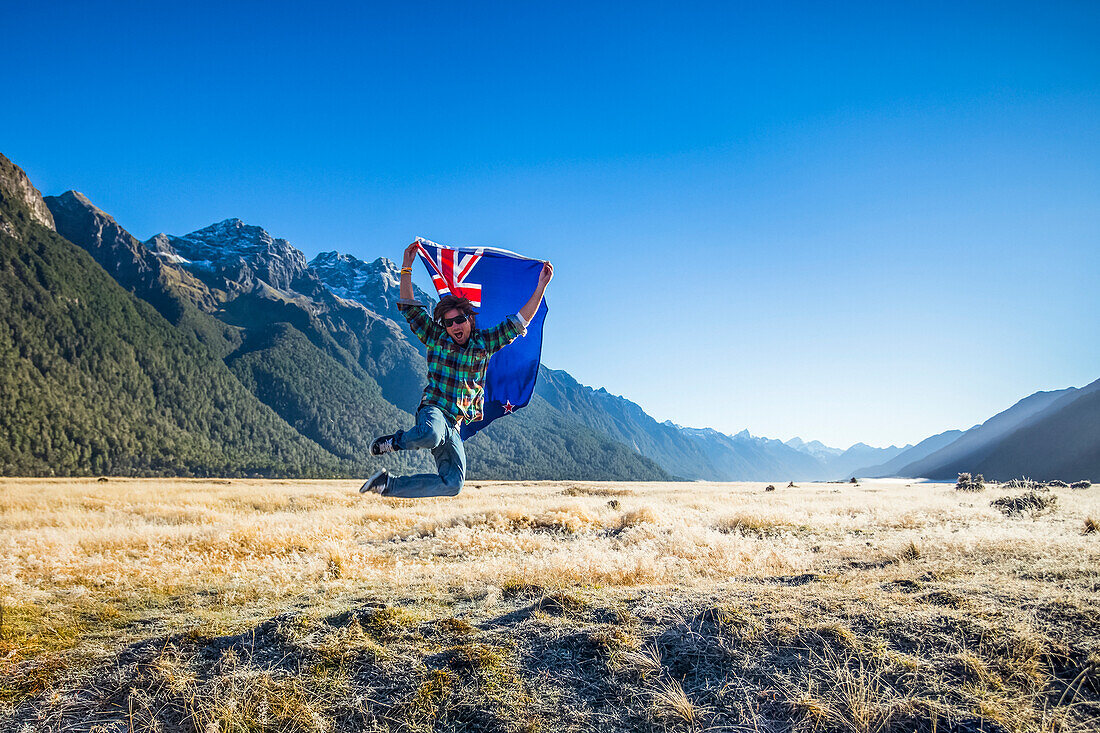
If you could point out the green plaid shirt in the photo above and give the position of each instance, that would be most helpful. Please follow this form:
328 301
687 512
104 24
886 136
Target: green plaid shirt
456 374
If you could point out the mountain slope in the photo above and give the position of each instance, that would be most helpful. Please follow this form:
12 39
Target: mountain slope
93 379
1063 443
978 442
848 463
815 448
540 442
340 409
175 293
1059 440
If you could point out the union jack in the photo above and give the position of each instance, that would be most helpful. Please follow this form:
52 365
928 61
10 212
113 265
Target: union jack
450 270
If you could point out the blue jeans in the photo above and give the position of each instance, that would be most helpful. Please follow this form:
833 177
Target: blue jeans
433 431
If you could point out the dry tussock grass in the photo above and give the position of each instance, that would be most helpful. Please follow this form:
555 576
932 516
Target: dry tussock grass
701 604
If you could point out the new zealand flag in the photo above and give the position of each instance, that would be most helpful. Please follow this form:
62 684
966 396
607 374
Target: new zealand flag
498 283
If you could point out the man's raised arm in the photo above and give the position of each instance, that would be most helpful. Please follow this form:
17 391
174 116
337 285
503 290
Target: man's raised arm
406 273
423 327
528 311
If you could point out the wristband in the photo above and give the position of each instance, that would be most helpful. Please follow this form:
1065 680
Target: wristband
406 269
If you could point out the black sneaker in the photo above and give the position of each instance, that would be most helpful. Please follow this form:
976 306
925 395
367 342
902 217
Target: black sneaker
383 445
378 483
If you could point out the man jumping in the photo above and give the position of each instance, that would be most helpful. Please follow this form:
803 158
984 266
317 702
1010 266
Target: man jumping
458 354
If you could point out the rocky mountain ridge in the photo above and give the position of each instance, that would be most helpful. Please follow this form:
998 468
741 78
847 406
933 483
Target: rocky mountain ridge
242 253
15 185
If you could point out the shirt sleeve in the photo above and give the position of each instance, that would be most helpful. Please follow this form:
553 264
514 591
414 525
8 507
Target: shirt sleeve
416 314
504 333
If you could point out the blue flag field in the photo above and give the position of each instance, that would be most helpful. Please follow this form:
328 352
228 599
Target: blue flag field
498 283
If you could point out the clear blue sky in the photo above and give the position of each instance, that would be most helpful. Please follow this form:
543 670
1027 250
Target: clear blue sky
843 221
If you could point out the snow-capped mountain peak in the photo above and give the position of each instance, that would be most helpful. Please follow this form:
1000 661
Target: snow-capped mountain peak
374 284
235 250
349 276
234 237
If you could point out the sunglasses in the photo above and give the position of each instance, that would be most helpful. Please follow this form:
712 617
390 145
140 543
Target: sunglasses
448 322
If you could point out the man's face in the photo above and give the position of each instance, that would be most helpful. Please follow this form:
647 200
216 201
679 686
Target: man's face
460 332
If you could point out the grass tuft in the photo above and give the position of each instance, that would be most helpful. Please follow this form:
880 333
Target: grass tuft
388 624
1024 483
428 703
259 701
671 702
518 587
751 524
475 656
839 634
596 491
910 551
645 515
455 627
561 603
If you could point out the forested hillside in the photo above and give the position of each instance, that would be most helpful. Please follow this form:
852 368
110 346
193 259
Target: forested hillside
94 380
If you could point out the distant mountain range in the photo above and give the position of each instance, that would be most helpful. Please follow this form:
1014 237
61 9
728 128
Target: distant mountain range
224 351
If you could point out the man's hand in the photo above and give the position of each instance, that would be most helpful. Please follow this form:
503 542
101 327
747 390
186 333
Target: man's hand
410 254
546 275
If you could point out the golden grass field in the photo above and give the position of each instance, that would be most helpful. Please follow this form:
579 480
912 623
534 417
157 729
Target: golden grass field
248 605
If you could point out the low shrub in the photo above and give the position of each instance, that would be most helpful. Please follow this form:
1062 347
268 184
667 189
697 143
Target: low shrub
967 482
1029 503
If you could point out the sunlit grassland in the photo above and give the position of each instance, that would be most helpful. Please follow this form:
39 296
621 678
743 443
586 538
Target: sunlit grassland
821 606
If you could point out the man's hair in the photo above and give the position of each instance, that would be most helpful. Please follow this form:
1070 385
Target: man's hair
453 302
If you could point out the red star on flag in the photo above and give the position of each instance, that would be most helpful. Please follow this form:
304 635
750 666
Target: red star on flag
508 407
